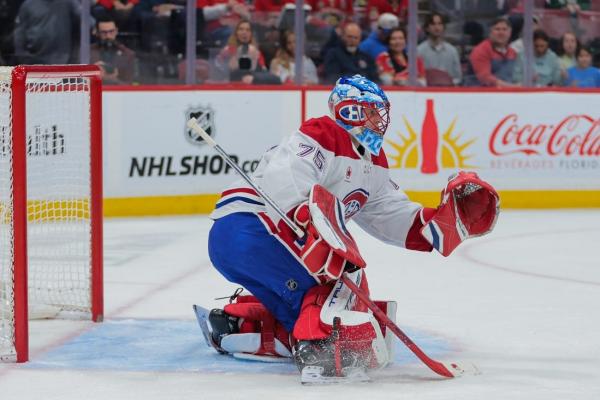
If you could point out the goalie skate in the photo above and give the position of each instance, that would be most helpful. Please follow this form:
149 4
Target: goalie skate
313 375
202 317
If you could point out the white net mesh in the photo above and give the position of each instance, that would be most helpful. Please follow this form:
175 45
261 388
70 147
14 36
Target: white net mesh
58 192
58 199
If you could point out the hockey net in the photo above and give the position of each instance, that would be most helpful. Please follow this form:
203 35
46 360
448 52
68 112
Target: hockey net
50 233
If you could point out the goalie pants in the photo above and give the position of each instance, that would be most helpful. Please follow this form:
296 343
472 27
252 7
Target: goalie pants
244 252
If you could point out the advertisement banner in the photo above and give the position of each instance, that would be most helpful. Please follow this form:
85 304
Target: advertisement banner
539 149
518 141
149 151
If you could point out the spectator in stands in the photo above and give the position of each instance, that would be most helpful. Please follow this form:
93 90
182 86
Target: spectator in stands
8 13
583 75
47 31
241 55
375 8
392 65
214 13
118 10
242 59
545 65
325 24
517 45
342 8
347 59
151 19
161 8
492 62
329 32
273 6
283 64
436 52
116 61
375 43
267 17
568 47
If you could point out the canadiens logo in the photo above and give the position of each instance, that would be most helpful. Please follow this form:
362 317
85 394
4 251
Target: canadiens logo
354 201
206 120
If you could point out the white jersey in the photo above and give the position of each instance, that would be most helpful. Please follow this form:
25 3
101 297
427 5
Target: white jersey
321 152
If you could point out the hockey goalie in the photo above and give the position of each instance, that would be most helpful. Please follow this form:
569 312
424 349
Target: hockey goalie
331 170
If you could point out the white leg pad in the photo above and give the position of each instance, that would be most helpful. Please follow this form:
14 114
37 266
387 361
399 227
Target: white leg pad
341 303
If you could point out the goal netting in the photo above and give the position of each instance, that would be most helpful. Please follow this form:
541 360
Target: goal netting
49 206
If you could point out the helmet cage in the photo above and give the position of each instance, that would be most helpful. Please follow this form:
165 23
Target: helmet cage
374 116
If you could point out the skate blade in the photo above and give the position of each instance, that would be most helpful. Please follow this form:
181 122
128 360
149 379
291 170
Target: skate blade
261 358
202 317
312 375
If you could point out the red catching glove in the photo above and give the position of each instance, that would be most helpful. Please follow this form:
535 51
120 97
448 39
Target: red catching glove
329 248
469 208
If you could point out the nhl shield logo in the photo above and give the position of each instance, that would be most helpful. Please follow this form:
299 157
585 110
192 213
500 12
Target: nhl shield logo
206 119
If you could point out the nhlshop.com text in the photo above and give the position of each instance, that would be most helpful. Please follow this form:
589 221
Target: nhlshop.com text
184 166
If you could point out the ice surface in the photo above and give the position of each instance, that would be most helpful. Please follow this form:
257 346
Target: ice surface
523 304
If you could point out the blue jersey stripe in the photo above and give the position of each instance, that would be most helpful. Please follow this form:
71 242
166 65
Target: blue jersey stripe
238 198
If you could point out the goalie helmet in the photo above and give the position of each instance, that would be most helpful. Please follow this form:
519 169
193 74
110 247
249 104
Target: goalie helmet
362 109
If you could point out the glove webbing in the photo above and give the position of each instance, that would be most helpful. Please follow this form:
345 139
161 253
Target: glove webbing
468 189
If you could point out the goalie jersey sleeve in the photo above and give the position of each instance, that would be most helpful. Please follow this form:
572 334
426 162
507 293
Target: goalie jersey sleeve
389 215
322 152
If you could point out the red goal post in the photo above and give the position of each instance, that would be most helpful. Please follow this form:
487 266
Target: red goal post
50 198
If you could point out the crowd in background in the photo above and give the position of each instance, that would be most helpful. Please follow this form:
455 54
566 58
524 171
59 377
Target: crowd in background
460 42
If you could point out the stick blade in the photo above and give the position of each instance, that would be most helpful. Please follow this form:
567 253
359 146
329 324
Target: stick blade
461 369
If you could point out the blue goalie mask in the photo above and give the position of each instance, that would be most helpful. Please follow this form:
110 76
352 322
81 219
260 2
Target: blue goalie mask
361 108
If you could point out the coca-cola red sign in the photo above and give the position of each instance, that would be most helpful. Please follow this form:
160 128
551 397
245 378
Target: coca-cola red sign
574 135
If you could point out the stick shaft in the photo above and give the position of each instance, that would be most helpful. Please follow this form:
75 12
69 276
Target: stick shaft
193 124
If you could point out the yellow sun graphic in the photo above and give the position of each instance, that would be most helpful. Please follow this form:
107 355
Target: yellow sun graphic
452 155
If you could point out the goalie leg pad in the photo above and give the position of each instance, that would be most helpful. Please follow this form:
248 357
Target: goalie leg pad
257 333
359 333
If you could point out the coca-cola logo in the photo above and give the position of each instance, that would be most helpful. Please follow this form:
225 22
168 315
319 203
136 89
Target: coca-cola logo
574 135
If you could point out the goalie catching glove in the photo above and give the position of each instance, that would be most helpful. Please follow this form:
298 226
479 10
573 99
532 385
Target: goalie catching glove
329 248
469 207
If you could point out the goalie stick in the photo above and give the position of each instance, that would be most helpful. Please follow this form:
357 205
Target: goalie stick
448 370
